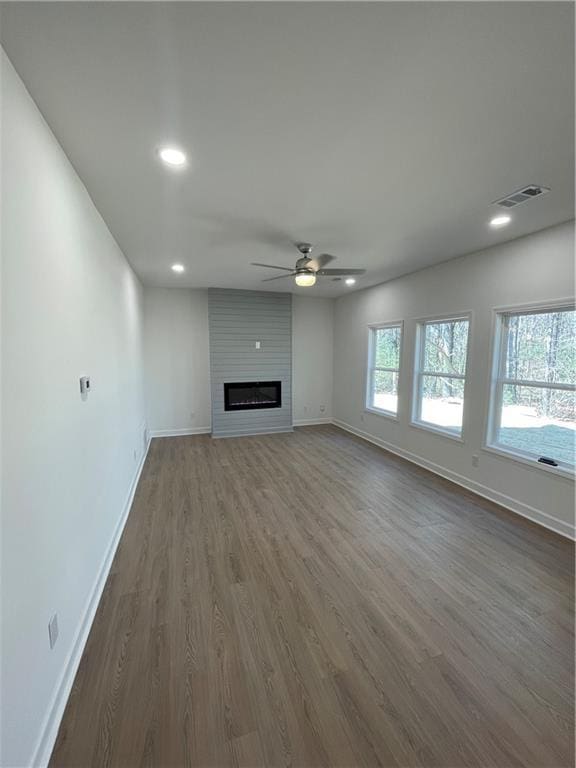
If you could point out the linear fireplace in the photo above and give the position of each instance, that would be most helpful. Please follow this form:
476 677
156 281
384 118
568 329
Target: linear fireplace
247 395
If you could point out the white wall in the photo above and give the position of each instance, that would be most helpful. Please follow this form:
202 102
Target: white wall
530 269
312 350
71 306
177 365
176 360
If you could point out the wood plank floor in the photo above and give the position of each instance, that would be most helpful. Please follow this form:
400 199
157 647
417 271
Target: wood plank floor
310 600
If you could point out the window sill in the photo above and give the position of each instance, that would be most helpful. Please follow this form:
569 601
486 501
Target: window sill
379 412
437 431
567 474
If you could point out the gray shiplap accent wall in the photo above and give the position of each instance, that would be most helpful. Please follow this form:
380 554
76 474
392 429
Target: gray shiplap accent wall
237 320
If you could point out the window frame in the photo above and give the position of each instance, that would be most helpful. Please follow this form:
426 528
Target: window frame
371 368
420 372
498 380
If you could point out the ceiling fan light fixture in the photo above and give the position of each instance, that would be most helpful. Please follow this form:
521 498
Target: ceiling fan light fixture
305 279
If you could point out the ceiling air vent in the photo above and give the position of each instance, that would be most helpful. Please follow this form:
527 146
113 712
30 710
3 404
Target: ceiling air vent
521 195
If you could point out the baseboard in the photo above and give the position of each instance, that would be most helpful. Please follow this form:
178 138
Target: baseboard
311 422
180 432
513 505
51 724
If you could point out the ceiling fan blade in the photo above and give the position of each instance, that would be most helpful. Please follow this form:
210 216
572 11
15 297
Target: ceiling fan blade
318 262
271 266
278 277
341 272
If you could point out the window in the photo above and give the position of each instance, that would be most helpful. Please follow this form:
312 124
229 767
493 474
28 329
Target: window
383 368
440 374
533 390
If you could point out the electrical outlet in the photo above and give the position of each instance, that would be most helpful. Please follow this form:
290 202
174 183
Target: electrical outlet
475 460
322 408
305 409
53 630
362 417
135 454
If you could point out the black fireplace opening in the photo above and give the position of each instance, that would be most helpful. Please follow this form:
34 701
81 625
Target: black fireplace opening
247 395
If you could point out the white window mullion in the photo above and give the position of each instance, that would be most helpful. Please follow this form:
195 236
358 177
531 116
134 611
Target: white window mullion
540 384
459 376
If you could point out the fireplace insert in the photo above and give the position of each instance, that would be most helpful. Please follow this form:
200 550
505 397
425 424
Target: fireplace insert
247 395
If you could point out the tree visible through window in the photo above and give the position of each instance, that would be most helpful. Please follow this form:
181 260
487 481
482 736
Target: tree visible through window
441 374
384 368
533 400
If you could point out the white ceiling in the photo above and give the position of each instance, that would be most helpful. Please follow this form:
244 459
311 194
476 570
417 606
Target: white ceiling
379 131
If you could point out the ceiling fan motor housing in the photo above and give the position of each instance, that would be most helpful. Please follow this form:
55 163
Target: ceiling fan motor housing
305 249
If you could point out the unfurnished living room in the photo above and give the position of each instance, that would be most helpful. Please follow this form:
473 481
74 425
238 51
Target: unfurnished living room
288 383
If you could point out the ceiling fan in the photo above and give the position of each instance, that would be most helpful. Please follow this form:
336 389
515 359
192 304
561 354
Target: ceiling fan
307 269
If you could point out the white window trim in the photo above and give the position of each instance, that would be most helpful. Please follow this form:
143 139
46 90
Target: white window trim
530 463
497 382
370 368
419 373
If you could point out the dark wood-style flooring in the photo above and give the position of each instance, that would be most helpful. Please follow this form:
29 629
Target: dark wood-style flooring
310 600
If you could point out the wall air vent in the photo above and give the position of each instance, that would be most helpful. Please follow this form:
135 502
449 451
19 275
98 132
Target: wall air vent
521 196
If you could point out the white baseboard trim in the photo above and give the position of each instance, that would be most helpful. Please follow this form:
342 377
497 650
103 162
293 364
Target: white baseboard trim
513 505
49 730
180 432
311 422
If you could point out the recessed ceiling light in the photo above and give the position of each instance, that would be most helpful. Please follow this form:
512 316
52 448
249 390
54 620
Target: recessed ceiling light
350 281
178 268
172 156
500 221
